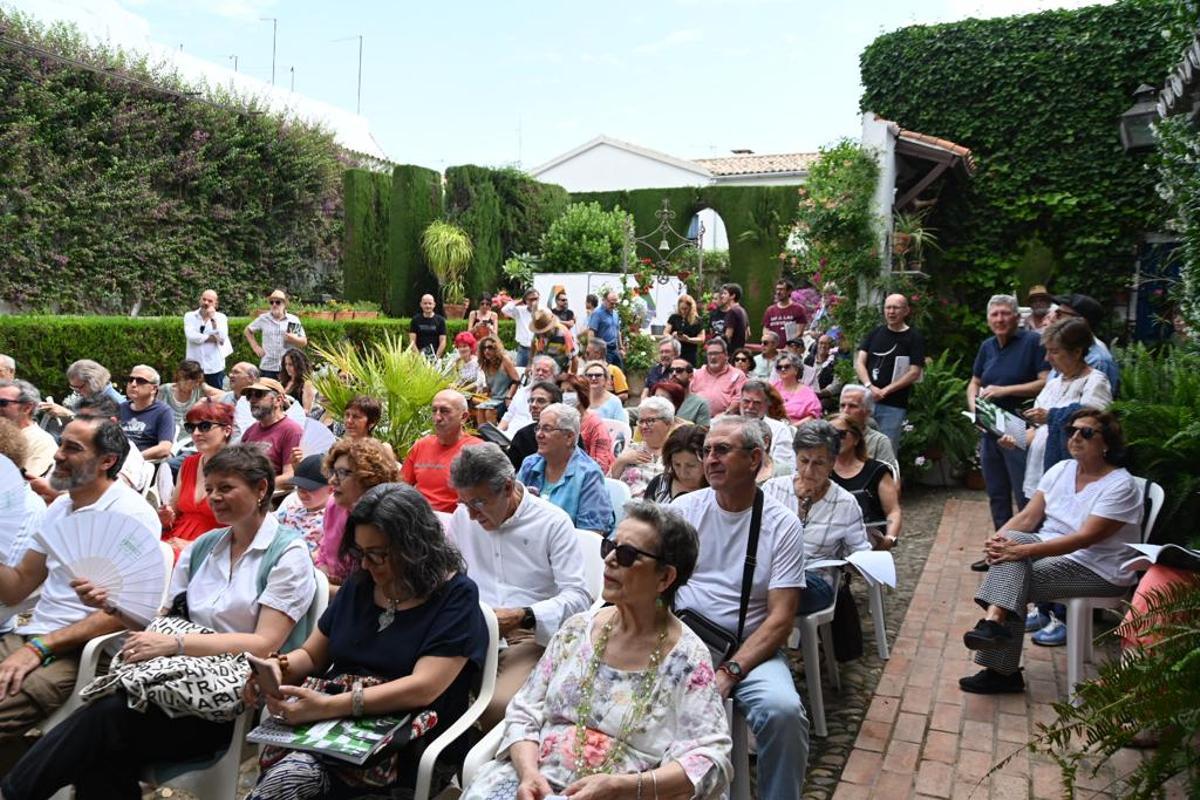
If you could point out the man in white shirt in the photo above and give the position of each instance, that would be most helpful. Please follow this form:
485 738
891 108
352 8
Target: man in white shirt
753 403
42 656
518 415
523 553
522 311
757 676
280 330
18 400
207 334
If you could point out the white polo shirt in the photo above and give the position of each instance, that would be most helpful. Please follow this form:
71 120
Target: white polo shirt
58 605
533 559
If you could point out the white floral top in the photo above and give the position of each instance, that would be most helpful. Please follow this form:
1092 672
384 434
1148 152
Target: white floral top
685 723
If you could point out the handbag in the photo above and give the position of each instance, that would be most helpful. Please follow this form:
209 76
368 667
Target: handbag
846 626
722 643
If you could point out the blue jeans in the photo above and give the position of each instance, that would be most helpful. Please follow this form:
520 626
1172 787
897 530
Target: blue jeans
891 423
215 379
817 594
522 355
1004 475
767 698
614 357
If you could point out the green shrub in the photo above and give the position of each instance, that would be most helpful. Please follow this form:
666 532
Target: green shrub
586 239
44 346
368 202
416 202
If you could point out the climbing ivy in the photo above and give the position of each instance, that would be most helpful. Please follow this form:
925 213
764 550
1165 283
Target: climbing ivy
1037 99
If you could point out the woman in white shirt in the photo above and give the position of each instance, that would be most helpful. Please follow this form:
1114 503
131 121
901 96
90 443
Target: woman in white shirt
833 520
1085 510
102 748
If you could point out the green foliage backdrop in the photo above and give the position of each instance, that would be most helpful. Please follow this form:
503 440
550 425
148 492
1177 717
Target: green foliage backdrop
368 202
586 239
1037 99
416 202
114 195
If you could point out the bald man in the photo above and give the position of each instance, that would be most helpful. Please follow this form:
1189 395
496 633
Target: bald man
427 467
427 331
207 334
890 360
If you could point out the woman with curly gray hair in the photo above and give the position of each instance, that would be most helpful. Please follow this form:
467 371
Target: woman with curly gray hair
405 633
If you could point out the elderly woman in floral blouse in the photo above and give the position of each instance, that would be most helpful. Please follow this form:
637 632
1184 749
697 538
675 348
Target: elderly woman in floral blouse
624 703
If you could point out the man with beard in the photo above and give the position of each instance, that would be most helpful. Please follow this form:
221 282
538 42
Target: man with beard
41 658
277 433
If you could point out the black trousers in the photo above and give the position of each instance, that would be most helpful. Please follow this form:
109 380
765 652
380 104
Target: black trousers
102 748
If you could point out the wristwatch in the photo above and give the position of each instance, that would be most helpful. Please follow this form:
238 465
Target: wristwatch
528 622
734 669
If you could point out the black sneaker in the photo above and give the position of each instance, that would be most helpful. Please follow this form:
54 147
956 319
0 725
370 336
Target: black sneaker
987 635
989 681
980 566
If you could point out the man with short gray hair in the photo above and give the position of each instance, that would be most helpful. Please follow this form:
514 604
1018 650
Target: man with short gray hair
523 553
668 350
565 475
8 368
856 402
753 403
18 400
891 358
517 416
757 675
207 333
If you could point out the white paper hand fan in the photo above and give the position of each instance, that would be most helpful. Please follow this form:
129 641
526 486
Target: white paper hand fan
115 552
12 505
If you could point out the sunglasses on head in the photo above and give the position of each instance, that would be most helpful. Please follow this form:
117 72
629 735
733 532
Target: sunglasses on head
627 554
140 381
204 426
1084 431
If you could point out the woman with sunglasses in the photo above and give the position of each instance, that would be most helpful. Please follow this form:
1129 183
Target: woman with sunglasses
483 320
1069 540
687 327
404 634
624 701
743 359
210 424
799 401
870 481
600 400
352 466
498 378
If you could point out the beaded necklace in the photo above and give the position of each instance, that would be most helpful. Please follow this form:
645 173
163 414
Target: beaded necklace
641 702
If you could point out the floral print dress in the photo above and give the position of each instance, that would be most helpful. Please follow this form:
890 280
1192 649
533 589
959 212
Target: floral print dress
685 722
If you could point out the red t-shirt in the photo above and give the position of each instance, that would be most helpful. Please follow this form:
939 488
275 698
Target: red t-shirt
428 469
776 319
278 441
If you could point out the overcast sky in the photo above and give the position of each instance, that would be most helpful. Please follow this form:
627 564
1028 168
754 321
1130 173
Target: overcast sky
520 82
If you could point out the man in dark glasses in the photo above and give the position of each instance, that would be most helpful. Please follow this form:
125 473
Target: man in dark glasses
524 554
694 408
147 421
18 400
278 433
280 330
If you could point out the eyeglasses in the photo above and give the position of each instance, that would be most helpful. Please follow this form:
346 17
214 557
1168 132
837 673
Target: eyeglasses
646 422
680 370
140 381
340 474
204 426
547 429
376 557
257 394
627 554
595 376
276 302
720 450
7 403
783 365
1084 431
489 347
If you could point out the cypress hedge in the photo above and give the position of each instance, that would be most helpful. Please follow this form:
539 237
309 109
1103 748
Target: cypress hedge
416 202
44 346
367 199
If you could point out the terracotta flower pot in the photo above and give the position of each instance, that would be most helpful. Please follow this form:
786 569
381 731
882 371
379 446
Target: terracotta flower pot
366 314
342 315
455 310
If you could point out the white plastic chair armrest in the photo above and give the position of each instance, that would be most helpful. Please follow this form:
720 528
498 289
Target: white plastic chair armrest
89 659
483 752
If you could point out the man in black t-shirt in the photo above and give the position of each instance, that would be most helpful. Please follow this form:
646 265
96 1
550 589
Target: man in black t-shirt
427 331
564 314
737 322
890 360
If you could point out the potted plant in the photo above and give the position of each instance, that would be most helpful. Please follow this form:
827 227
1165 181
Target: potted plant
938 439
910 235
448 251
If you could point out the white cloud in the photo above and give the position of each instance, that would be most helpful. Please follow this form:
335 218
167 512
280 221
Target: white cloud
100 20
672 39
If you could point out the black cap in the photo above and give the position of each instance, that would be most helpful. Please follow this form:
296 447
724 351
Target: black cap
1084 306
308 475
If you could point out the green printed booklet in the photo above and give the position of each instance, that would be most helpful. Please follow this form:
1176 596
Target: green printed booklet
351 740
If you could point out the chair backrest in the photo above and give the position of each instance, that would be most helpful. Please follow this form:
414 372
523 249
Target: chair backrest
444 518
1153 497
593 564
320 599
619 494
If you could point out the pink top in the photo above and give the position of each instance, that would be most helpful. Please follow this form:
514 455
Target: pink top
720 390
331 541
799 404
596 440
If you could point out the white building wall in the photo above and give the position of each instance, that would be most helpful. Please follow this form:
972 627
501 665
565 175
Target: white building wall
605 168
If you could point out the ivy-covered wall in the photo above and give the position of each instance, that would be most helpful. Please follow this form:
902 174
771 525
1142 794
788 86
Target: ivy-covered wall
115 196
416 202
757 219
1037 99
368 202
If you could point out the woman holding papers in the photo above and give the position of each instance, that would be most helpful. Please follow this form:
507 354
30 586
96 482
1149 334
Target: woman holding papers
103 747
405 633
1069 540
210 424
870 481
833 521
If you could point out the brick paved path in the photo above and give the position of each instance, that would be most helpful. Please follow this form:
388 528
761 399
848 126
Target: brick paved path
923 736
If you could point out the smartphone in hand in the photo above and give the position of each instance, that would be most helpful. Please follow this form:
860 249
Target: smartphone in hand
267 672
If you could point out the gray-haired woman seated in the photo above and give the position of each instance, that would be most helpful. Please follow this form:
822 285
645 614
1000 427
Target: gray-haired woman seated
641 461
624 701
833 520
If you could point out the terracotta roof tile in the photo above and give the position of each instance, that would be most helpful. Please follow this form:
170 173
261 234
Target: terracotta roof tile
758 164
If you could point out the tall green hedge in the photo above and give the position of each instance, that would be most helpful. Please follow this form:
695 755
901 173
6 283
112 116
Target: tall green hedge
368 202
473 203
43 346
115 195
416 202
1037 99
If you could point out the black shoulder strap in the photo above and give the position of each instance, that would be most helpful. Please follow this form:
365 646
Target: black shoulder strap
751 560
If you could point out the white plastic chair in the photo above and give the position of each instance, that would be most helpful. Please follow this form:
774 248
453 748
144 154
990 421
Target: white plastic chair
621 432
487 687
618 494
1079 609
593 564
810 628
219 779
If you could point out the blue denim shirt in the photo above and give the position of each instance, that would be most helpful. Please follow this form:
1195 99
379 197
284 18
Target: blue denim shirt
607 326
580 491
